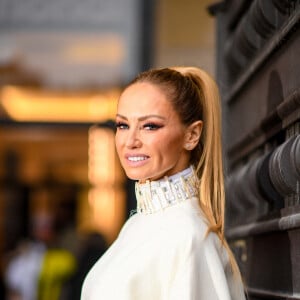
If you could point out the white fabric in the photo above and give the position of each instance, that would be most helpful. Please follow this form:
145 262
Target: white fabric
164 255
154 196
23 271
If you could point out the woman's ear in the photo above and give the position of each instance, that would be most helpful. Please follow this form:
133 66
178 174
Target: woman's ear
193 134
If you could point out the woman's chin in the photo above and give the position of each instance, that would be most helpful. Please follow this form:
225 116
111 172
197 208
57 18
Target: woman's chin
133 175
137 176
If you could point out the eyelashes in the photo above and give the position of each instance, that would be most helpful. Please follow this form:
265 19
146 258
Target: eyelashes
151 126
148 126
120 125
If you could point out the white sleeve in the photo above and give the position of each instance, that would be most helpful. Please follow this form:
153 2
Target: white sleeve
202 276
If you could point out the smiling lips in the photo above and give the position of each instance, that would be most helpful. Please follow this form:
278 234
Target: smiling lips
137 158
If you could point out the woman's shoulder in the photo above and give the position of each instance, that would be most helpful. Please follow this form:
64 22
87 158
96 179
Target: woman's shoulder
184 225
181 224
187 218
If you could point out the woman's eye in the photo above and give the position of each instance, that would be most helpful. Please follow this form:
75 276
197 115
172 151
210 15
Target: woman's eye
120 125
151 126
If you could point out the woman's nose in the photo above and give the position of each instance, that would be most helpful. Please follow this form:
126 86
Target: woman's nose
133 139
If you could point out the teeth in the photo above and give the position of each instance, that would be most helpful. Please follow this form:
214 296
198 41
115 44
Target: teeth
137 158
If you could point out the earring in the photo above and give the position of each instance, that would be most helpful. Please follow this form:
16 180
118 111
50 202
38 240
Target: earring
188 146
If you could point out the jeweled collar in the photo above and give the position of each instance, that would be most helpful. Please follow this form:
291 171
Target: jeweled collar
153 196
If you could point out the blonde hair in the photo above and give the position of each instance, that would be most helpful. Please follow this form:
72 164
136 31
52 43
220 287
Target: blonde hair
195 96
210 165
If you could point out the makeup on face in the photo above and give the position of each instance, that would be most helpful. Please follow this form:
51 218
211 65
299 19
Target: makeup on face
150 135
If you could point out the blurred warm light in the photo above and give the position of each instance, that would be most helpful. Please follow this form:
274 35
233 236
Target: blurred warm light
106 197
108 208
101 156
33 105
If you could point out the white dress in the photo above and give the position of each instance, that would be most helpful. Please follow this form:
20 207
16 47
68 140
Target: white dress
162 251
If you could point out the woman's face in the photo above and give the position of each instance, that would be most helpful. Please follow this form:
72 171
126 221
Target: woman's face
150 137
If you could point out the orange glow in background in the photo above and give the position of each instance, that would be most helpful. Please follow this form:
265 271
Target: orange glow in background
29 104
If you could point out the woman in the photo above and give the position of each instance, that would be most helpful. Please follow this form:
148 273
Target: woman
169 139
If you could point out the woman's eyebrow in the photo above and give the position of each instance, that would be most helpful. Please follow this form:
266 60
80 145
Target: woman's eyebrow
143 117
151 116
122 117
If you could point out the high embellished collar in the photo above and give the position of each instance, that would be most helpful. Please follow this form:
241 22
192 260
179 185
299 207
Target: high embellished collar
153 196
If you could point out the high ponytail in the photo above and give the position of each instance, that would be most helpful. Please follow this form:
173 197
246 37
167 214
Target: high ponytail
210 164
